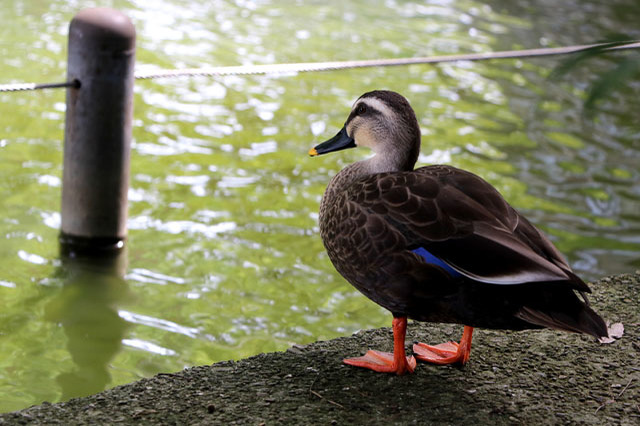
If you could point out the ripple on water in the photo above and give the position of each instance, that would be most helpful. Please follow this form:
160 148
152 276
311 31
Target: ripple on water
151 277
148 347
158 323
180 226
32 258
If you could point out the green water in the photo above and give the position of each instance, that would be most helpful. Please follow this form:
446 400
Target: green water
224 258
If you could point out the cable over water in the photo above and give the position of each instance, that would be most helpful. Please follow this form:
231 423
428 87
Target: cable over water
338 65
22 87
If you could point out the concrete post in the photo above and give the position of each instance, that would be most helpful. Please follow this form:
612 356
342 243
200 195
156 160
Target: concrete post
98 129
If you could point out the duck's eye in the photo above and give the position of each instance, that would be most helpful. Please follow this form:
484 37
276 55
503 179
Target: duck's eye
361 109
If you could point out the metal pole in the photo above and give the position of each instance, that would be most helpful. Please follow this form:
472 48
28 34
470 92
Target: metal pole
97 131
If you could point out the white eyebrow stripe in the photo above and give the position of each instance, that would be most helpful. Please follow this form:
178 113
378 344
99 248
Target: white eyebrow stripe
376 104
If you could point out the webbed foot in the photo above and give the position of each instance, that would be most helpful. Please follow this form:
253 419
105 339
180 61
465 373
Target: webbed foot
446 353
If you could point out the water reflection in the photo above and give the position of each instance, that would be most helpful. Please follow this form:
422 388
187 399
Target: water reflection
86 308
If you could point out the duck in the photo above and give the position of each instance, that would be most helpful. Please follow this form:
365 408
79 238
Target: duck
437 244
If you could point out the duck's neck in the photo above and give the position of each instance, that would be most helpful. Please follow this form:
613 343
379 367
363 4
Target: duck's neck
392 161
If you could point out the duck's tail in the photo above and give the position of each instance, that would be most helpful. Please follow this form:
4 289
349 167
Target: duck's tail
574 316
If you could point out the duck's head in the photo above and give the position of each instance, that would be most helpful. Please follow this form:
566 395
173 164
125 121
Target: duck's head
383 121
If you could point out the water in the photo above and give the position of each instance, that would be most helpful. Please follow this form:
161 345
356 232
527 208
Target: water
224 258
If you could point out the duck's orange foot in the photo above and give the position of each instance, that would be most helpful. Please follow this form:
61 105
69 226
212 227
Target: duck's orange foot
446 353
384 362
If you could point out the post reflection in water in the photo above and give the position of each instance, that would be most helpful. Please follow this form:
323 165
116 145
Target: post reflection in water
86 308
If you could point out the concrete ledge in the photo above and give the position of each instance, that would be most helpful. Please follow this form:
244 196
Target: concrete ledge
531 377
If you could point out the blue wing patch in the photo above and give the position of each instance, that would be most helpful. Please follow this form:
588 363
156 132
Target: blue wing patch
431 259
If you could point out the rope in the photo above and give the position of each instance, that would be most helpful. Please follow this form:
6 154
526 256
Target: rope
21 87
333 66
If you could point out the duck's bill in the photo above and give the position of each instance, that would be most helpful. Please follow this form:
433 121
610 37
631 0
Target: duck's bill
336 143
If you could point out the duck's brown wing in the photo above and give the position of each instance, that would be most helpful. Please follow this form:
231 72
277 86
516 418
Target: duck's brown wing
465 222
